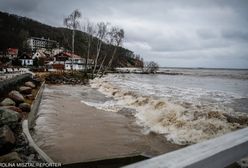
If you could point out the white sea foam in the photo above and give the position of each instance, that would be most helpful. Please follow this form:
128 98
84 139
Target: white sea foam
186 119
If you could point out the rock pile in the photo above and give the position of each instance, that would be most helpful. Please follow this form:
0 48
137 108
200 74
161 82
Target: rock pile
7 102
13 109
24 107
16 96
9 117
66 78
7 139
25 90
30 84
16 101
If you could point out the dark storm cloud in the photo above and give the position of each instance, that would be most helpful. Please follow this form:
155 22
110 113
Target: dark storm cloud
209 33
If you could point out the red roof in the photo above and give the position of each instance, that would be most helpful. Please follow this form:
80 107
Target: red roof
12 51
68 54
58 66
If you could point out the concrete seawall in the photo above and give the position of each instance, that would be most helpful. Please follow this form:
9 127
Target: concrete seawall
35 106
29 123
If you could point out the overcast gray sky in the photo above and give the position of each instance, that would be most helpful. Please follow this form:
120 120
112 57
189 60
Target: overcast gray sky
176 33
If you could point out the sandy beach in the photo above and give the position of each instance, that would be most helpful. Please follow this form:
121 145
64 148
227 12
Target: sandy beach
69 131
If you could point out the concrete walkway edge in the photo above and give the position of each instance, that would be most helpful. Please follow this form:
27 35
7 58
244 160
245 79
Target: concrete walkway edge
43 155
28 123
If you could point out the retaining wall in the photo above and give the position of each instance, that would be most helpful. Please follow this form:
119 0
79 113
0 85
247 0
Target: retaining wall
35 107
30 122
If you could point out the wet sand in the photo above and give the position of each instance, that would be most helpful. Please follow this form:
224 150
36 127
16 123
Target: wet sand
70 131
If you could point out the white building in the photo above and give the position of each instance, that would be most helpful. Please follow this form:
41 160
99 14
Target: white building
75 63
38 54
56 51
26 60
38 43
68 61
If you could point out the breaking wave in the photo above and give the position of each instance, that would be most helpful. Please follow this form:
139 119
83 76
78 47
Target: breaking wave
180 122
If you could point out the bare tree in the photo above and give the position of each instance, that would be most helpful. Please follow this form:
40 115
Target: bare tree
116 36
150 67
72 23
89 28
102 30
101 65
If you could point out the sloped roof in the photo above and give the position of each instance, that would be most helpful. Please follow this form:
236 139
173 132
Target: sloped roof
68 54
42 54
12 50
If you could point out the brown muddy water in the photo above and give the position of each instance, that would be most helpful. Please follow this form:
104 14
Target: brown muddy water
70 131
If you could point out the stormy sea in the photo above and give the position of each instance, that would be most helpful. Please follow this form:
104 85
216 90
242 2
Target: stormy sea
186 106
140 114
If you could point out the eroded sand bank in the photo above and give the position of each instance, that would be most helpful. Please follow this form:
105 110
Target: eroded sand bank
70 131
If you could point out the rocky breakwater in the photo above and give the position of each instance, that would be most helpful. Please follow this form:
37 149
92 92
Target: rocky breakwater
67 78
13 109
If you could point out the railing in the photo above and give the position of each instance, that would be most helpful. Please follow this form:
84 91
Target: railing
8 73
218 152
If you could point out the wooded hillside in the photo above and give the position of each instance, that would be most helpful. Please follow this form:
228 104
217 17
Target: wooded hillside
14 31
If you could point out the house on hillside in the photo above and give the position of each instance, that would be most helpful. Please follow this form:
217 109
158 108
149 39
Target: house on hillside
69 61
75 62
39 54
56 51
26 59
12 53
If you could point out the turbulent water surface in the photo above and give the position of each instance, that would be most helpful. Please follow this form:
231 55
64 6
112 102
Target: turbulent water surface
134 114
70 131
186 108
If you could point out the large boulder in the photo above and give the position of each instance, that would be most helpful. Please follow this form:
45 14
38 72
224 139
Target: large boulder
7 102
25 107
14 108
29 97
10 158
7 139
16 96
25 90
30 84
9 117
37 81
